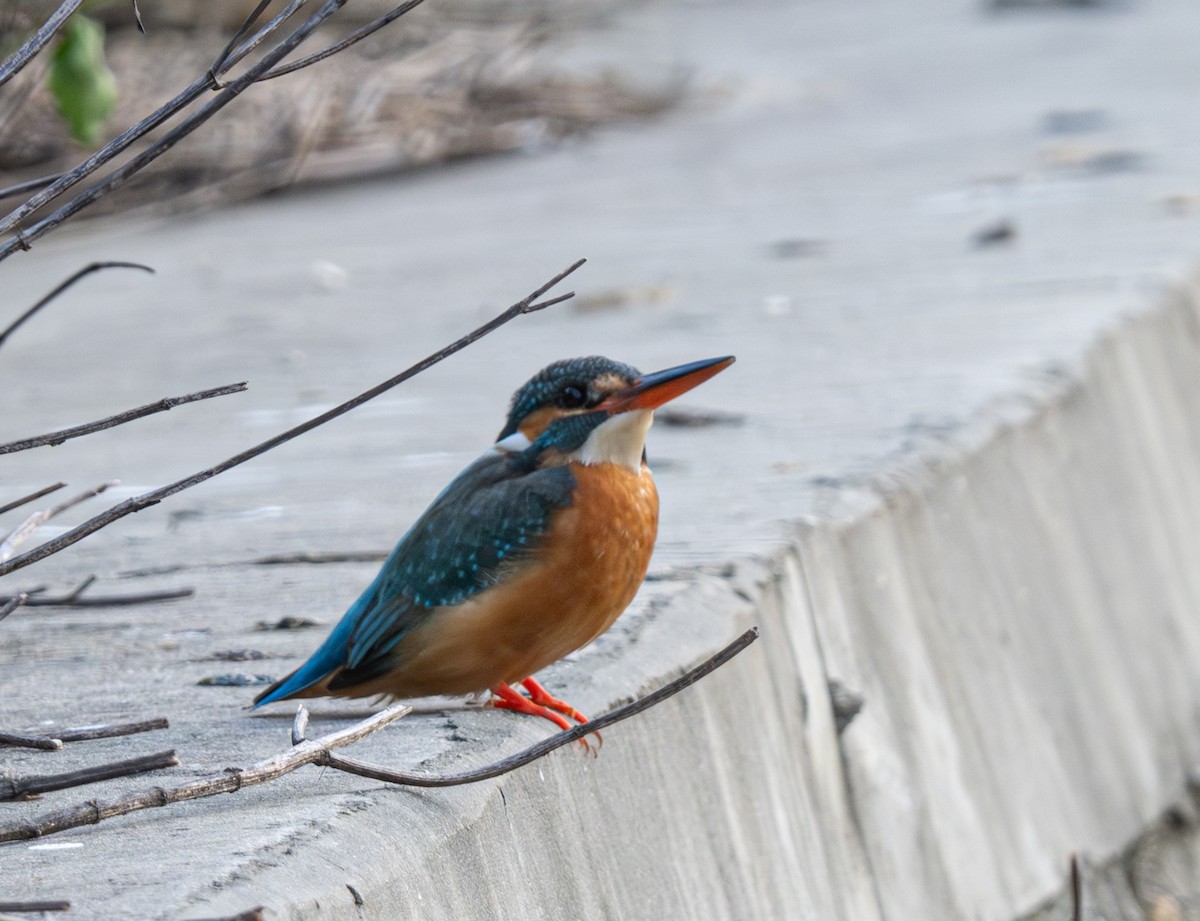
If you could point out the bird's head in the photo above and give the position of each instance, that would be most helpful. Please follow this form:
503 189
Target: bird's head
594 410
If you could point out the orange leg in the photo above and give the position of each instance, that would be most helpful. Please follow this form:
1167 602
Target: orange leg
509 699
539 695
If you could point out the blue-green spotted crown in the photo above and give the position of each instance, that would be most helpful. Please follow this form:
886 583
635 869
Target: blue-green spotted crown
569 384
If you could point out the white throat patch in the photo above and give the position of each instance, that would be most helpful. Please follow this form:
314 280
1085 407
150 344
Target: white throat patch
619 440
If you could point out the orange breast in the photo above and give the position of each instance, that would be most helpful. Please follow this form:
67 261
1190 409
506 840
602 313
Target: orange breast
590 566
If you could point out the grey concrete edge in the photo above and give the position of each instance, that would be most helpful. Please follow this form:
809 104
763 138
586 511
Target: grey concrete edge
1000 732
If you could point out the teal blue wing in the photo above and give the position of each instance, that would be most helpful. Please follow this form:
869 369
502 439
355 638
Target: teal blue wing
482 525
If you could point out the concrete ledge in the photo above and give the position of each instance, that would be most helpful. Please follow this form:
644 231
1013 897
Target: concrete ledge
1020 621
965 487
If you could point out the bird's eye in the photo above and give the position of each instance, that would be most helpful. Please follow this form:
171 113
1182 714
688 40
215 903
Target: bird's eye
573 396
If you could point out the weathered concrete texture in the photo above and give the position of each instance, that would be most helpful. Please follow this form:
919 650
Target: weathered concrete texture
964 485
1022 625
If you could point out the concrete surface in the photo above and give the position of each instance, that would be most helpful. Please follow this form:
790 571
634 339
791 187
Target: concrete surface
963 485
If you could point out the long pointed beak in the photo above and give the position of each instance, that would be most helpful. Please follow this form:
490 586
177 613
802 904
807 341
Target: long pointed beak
653 390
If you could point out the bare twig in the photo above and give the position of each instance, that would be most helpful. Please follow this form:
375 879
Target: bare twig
529 304
362 769
29 50
229 781
31 907
123 173
33 496
21 740
112 730
320 751
82 734
82 273
291 559
8 605
352 39
29 185
114 148
250 914
129 415
244 29
22 532
74 599
17 787
313 557
1078 909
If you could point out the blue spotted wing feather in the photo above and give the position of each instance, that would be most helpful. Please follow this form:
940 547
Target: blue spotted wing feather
481 528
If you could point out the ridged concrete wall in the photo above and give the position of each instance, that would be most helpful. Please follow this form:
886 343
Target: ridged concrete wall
1020 613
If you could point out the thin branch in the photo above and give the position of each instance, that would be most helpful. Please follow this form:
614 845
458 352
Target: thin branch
137 18
85 271
122 174
39 742
8 605
73 600
230 781
15 62
82 734
528 304
22 532
352 39
250 914
131 135
242 31
113 730
29 185
362 769
1078 909
320 751
12 788
33 496
44 905
129 415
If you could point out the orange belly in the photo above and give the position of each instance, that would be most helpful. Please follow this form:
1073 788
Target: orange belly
593 559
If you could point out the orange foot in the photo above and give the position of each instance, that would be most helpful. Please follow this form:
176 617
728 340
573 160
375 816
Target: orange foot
509 699
539 695
540 702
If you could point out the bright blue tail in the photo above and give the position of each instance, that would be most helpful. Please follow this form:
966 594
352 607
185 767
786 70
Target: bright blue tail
330 656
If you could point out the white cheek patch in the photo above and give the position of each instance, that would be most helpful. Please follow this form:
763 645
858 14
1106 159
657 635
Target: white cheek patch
619 440
513 444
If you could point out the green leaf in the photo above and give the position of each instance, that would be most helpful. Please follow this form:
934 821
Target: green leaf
83 87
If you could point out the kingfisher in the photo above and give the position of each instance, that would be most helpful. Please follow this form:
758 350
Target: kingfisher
529 554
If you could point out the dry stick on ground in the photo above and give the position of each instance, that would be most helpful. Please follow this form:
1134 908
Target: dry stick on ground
73 600
129 415
250 914
122 174
35 598
82 273
8 605
82 734
229 781
21 740
1078 910
32 497
529 304
12 788
44 905
320 751
22 532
